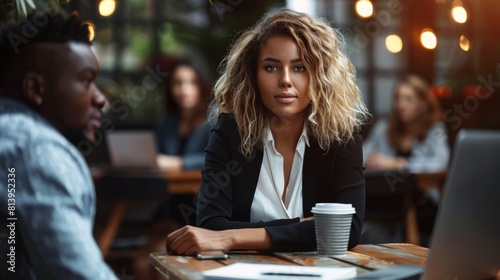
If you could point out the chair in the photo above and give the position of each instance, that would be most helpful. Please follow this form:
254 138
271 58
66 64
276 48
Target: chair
123 189
389 201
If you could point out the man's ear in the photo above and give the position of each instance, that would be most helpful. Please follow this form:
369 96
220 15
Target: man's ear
34 87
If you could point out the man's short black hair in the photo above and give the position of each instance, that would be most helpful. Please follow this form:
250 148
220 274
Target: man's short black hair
40 27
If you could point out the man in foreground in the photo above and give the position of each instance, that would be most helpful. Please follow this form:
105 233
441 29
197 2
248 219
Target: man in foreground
48 99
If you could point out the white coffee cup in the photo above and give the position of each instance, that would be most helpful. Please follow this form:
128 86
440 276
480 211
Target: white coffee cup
333 227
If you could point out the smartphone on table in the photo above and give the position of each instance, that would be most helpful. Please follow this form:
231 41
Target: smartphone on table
212 255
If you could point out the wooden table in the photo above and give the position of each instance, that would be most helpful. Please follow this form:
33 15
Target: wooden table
179 183
364 257
431 180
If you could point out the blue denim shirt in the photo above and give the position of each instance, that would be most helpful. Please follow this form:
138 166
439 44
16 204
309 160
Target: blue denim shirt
51 189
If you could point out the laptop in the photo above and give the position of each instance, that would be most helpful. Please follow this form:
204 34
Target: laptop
132 149
466 240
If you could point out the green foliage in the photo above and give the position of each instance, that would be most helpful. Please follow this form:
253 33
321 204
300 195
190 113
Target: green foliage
15 10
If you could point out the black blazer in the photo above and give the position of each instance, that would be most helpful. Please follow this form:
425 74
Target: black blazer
169 141
230 179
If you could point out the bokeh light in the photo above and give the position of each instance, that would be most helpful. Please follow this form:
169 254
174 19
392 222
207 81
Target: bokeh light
428 39
364 8
464 43
91 28
459 14
107 7
393 43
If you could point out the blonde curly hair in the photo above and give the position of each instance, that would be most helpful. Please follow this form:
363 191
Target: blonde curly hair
336 110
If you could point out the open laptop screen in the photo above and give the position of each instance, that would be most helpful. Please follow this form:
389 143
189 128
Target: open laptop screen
132 149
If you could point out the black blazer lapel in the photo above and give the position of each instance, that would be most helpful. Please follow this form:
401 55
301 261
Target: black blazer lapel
313 176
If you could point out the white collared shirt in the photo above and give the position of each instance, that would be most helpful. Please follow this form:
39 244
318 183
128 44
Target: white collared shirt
267 204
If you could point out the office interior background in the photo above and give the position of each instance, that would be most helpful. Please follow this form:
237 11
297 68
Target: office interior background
453 44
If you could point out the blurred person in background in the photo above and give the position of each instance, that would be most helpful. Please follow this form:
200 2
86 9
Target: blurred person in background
183 132
414 138
48 102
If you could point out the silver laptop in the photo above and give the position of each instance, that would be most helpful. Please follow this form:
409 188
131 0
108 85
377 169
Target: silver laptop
466 241
134 149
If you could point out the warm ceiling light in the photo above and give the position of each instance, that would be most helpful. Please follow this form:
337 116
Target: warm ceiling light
394 43
464 43
459 14
428 39
364 8
107 7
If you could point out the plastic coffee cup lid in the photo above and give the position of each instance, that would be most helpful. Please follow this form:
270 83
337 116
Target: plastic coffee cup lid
333 208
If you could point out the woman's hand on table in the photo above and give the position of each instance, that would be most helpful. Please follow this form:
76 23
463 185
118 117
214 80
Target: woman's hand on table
378 161
189 240
169 163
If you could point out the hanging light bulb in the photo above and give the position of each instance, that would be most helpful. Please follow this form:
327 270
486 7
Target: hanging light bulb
393 43
364 8
107 7
458 12
428 39
464 43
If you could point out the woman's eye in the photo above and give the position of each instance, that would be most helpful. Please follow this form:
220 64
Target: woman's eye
300 68
270 68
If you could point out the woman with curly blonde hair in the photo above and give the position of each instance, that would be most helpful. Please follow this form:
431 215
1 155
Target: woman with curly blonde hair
287 112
